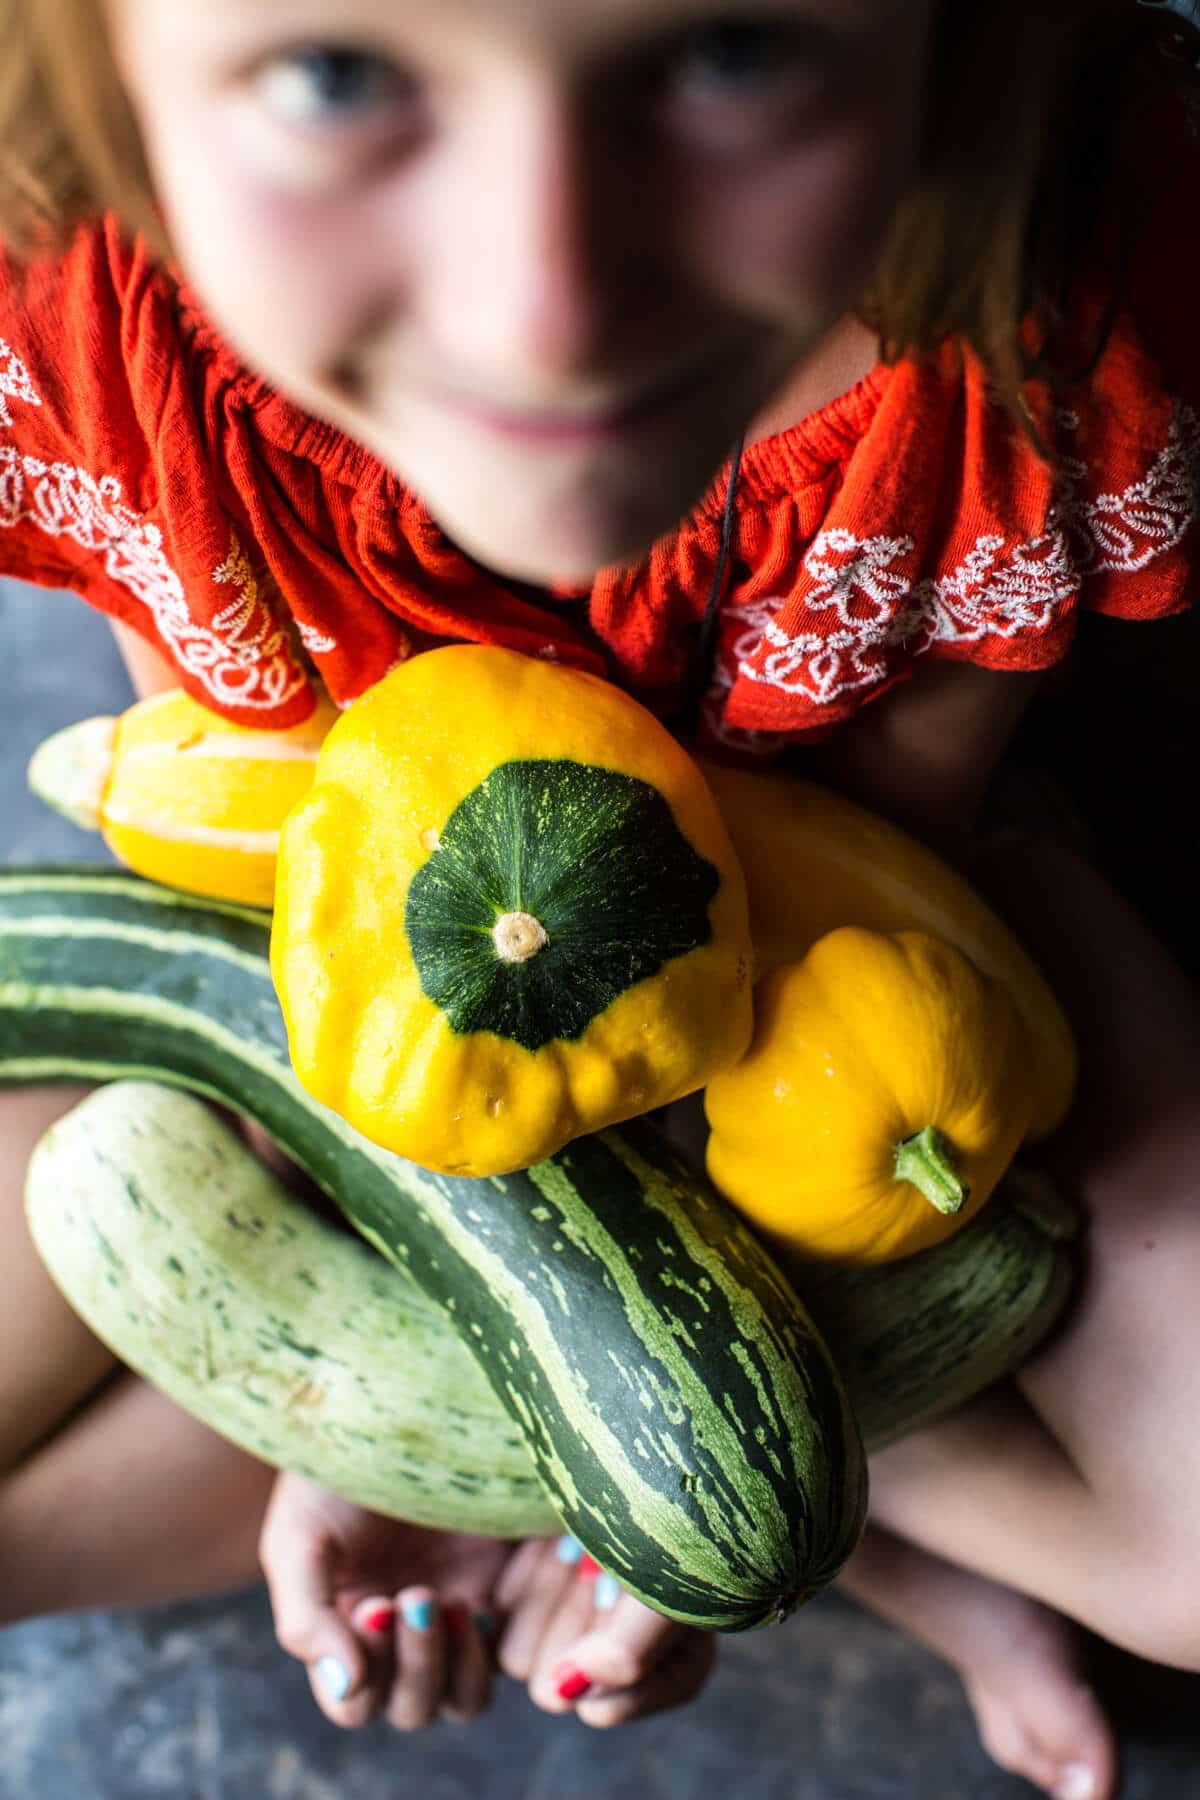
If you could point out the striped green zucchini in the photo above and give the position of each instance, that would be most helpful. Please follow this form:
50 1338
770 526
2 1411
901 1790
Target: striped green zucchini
913 1339
681 1409
291 1337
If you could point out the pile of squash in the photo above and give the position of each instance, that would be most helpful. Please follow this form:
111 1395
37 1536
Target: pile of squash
508 912
511 910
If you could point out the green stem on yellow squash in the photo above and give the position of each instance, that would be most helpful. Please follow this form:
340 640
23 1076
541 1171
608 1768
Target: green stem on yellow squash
929 1162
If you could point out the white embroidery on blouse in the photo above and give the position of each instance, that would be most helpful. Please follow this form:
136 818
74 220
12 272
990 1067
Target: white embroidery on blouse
857 581
755 616
1126 531
243 660
15 382
247 628
1000 589
314 641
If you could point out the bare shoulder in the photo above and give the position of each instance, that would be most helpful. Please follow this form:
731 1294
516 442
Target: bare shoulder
923 754
149 672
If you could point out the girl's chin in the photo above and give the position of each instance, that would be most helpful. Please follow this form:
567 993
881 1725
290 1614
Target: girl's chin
566 534
547 557
549 513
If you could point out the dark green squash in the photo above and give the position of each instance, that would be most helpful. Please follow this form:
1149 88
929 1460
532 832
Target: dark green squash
681 1410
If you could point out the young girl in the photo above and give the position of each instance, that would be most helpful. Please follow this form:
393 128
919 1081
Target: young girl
815 363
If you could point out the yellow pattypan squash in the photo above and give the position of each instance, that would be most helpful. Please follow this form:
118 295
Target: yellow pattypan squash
814 861
180 794
884 1094
507 914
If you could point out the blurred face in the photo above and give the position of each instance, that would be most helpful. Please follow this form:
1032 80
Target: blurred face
546 258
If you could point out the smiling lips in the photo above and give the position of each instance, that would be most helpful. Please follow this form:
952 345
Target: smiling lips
592 427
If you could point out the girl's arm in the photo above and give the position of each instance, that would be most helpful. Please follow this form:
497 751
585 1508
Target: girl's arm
149 672
923 755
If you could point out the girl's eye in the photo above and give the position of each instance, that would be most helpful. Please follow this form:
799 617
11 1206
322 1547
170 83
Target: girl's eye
330 85
740 83
736 55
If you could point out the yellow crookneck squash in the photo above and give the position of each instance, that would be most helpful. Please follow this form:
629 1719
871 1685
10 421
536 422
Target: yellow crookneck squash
884 1094
180 794
507 914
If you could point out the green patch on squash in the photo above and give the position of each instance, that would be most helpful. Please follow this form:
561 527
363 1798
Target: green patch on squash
555 886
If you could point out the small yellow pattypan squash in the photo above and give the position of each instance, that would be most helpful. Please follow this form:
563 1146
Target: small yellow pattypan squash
507 914
884 1094
814 861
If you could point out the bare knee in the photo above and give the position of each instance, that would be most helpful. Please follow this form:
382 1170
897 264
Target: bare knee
49 1360
23 1589
25 1113
1151 1608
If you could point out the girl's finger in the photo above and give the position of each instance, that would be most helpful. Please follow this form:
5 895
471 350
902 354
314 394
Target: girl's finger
373 1621
373 1618
299 1566
551 1578
566 1627
618 1648
517 1573
469 1675
419 1687
676 1680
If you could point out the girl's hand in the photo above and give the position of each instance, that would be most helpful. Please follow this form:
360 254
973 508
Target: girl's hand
388 1617
582 1644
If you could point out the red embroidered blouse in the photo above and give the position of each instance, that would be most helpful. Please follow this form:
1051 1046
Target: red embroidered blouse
143 466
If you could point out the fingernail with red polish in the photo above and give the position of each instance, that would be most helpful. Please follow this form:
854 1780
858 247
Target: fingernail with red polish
456 1617
589 1568
379 1621
572 1683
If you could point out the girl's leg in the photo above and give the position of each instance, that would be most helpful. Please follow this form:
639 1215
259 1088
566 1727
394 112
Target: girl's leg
109 1494
131 1503
1018 1661
1077 1483
49 1360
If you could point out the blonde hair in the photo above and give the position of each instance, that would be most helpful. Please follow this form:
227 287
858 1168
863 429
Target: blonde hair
69 147
1028 101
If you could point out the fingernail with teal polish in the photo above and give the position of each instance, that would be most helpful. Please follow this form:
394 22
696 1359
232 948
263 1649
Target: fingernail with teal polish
334 1677
418 1614
485 1624
569 1550
606 1592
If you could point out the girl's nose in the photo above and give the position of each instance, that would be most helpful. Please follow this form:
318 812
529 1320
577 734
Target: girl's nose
527 286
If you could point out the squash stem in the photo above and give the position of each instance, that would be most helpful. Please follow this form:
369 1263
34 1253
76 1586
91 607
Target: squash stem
929 1162
518 936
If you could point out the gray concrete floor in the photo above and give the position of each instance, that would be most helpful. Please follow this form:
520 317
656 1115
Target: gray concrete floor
197 1703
